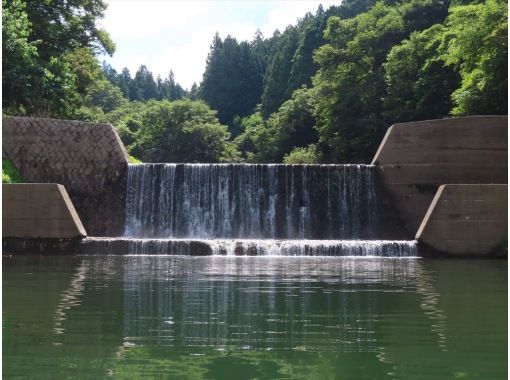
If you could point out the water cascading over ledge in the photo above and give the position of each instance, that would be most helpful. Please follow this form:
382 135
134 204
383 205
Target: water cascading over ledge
260 201
249 247
251 210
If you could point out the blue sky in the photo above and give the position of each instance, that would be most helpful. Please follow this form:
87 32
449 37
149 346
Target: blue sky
177 35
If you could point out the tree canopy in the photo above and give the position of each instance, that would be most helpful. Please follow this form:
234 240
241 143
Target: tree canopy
323 90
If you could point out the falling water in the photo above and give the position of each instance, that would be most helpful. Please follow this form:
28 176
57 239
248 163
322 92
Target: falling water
251 201
248 210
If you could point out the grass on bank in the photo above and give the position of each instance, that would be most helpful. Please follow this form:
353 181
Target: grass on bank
133 160
9 173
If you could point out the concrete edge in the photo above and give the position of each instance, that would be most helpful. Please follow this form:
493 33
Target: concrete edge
429 212
72 211
119 141
63 202
426 123
428 246
381 145
460 119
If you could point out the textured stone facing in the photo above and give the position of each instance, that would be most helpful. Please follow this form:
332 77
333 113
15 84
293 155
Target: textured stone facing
415 158
39 211
88 159
466 219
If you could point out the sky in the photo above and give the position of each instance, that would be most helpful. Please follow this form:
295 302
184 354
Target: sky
176 35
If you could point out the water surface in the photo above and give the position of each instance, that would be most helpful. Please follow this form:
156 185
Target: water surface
156 317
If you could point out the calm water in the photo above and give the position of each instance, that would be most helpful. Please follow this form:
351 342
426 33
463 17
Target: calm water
142 317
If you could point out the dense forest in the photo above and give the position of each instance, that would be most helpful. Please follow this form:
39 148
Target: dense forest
323 90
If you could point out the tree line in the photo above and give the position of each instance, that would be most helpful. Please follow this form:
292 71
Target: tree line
323 90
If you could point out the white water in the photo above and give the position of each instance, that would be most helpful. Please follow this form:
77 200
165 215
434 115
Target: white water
251 247
254 210
251 201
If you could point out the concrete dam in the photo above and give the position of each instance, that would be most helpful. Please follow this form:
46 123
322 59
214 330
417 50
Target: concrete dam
390 208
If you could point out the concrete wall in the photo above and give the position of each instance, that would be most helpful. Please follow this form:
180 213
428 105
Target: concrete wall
39 211
88 159
466 219
415 158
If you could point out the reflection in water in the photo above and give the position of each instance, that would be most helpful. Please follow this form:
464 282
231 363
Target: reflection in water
430 305
263 317
70 297
259 303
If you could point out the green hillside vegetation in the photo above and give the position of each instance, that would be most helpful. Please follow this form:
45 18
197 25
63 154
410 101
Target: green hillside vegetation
322 90
9 173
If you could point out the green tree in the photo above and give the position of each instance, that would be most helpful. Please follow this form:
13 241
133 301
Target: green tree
475 43
293 124
303 155
61 26
85 67
104 95
48 60
19 56
278 72
179 131
124 80
232 82
349 88
143 86
193 93
256 143
419 85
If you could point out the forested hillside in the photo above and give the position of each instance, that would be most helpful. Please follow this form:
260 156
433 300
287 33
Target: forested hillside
322 90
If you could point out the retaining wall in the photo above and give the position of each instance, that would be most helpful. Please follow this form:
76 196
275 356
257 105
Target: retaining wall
466 219
88 159
415 158
39 211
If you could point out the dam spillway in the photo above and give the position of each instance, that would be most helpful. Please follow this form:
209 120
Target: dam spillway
264 201
251 210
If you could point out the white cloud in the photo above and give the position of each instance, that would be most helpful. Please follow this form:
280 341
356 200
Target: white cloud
285 13
177 35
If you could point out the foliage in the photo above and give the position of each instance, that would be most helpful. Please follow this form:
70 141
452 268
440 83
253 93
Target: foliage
419 85
18 54
232 82
143 86
308 155
62 26
293 123
278 71
268 140
9 173
104 95
323 90
290 63
179 131
475 43
349 87
257 143
134 160
48 54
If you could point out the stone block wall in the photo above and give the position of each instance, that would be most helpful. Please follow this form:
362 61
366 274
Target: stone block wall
88 159
415 158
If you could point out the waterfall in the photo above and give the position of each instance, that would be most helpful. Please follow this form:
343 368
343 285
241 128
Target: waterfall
251 210
251 201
